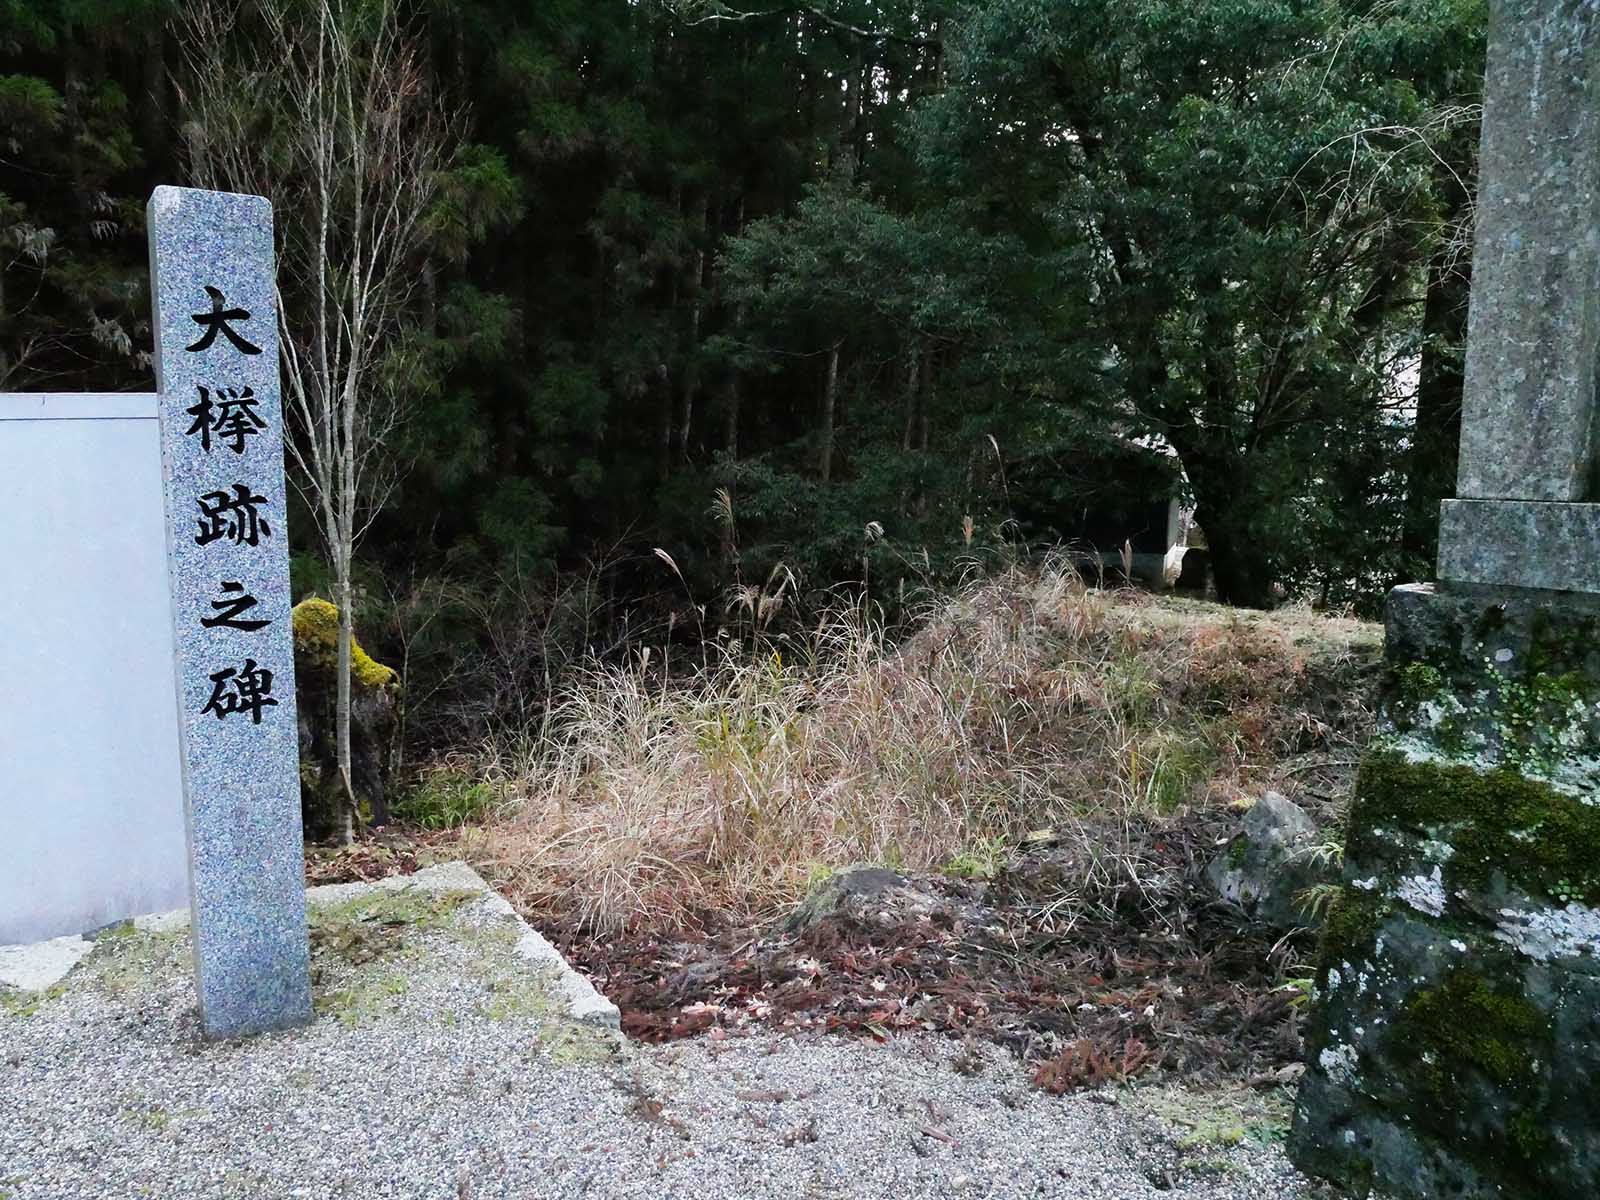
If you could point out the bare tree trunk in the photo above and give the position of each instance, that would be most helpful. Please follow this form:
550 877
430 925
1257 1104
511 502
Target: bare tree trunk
730 434
858 117
342 752
845 138
153 99
698 264
830 397
661 385
429 281
913 388
730 416
927 392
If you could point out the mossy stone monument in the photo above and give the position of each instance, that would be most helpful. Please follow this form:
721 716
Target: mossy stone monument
1454 1045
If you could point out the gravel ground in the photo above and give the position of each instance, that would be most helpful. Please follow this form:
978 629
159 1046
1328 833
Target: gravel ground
438 1068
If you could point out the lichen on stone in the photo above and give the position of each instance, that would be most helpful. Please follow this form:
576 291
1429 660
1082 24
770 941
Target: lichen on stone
1450 1049
1425 893
1544 934
1339 1062
1522 693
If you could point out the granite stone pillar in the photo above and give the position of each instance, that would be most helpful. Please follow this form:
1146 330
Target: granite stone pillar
1528 424
216 334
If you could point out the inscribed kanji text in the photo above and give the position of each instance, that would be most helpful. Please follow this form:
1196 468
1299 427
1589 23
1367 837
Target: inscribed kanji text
231 607
247 690
217 319
231 418
233 517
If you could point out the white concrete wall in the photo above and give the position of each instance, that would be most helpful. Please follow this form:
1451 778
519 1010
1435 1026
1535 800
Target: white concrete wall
91 798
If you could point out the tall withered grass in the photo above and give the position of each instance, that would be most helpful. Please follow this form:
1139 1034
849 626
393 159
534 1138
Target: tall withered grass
1026 702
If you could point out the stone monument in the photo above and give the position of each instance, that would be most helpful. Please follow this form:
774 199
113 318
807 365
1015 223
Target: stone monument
216 331
208 788
1455 1037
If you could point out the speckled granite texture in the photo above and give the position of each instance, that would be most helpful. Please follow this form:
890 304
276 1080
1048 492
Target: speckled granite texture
1528 413
1520 544
222 456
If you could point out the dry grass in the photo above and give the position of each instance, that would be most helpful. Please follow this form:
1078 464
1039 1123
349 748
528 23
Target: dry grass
1026 702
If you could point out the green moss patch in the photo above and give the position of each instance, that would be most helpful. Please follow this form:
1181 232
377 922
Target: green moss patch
1465 1025
1479 1054
316 646
1350 929
377 923
1219 1118
367 997
570 1043
1497 823
369 951
125 960
1565 647
1521 691
17 1003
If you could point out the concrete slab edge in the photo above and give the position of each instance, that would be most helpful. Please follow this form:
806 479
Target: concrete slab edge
46 963
41 965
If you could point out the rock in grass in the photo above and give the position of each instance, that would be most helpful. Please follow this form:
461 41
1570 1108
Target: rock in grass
877 898
1269 865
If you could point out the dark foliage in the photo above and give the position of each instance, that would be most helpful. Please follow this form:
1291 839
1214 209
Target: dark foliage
846 287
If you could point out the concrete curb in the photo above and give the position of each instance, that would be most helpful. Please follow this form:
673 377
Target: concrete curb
44 964
41 965
584 1003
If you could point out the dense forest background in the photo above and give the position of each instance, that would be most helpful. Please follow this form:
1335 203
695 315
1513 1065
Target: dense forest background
719 305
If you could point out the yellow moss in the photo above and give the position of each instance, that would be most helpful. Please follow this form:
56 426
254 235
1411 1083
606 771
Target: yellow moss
316 639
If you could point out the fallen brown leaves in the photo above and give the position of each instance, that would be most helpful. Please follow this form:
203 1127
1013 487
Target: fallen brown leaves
1185 990
1083 1063
1190 993
375 856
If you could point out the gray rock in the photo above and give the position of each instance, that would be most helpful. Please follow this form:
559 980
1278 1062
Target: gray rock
1520 543
876 897
1270 862
41 965
1451 1051
1497 677
1451 1046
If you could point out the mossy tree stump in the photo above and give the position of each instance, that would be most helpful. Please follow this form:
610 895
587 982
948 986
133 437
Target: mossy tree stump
374 692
